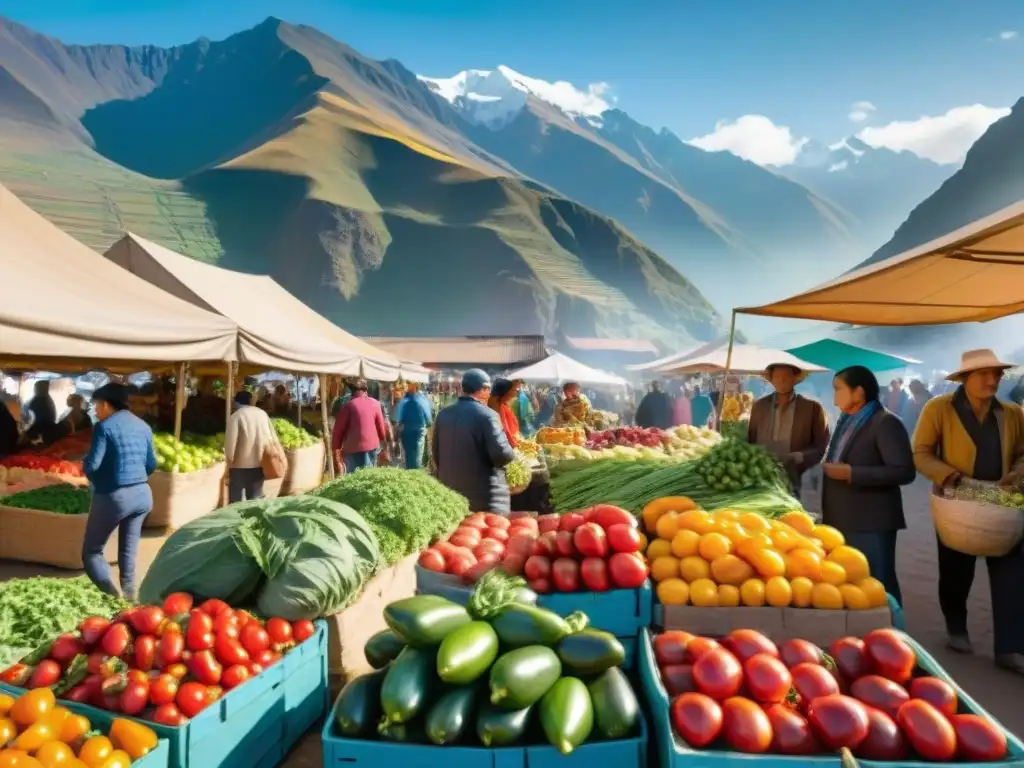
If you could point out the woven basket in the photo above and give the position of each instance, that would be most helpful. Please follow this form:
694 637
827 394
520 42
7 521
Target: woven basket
37 536
181 497
305 470
983 530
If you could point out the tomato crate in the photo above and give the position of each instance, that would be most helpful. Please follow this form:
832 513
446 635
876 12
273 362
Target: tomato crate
255 724
339 750
673 752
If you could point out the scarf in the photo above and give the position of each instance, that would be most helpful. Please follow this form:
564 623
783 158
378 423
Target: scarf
847 427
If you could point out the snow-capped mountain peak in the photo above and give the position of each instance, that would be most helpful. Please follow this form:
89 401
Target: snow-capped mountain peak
494 97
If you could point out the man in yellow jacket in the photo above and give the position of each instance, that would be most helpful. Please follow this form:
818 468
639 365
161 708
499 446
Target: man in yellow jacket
970 434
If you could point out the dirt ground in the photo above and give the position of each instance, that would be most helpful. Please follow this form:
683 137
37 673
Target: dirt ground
996 690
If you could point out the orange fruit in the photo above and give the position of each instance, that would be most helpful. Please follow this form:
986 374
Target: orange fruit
696 520
752 593
799 521
853 561
685 543
663 568
651 514
32 706
658 548
693 569
767 563
666 526
802 588
713 546
55 754
673 591
803 562
786 539
829 537
704 593
730 569
854 598
875 592
728 596
833 573
726 514
755 523
734 532
777 592
827 597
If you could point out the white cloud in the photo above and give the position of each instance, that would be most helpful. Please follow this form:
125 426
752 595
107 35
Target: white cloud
1008 34
861 111
941 138
755 138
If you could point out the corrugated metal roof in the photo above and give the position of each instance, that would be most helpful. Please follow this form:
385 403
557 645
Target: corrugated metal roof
612 345
475 350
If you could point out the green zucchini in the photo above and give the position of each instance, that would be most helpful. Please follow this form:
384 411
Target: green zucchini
616 709
411 733
424 619
357 710
520 677
498 727
591 652
448 719
407 684
519 625
567 714
466 653
381 649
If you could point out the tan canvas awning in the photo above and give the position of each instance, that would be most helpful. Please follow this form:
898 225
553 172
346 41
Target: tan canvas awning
746 359
276 330
64 307
971 275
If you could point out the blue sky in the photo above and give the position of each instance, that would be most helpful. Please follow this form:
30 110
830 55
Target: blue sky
684 64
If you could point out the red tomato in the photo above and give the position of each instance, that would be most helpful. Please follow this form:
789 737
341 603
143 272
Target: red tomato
594 573
169 648
850 657
678 679
520 544
767 679
796 651
890 655
199 635
791 733
79 694
92 629
476 520
229 651
670 647
255 668
234 676
460 563
564 546
496 521
697 719
623 538
565 574
718 674
546 523
880 692
116 640
489 545
607 515
177 671
885 740
590 540
537 567
168 714
812 681
497 534
698 647
46 673
627 571
227 624
746 726
520 515
145 652
571 521
936 692
839 721
464 540
65 648
930 733
745 643
513 565
978 740
191 699
540 586
177 603
163 689
147 620
137 675
545 545
302 630
475 572
205 668
254 638
133 698
214 607
432 560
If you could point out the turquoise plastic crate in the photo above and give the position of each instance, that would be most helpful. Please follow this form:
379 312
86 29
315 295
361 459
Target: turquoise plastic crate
338 751
255 724
673 752
623 612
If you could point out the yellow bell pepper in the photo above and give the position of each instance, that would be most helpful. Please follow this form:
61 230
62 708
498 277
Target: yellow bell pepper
134 738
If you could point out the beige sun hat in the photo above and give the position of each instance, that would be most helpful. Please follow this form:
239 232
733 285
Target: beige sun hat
800 373
977 360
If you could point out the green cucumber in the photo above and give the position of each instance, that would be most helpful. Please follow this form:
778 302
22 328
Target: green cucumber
407 684
520 677
381 649
520 625
616 710
425 619
466 653
411 733
357 709
448 719
498 727
567 714
591 652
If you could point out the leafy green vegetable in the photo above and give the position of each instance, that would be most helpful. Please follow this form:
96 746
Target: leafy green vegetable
33 611
63 499
406 509
291 436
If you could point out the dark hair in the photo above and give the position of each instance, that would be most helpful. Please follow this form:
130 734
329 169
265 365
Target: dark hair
244 397
502 387
113 394
858 376
359 385
567 385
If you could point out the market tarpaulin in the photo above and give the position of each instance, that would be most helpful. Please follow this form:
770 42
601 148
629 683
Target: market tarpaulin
64 306
973 274
836 355
559 369
276 330
747 360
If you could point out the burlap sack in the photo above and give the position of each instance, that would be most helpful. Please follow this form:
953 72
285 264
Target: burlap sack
305 470
180 497
37 536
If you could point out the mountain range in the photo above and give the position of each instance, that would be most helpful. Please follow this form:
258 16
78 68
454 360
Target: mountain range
398 204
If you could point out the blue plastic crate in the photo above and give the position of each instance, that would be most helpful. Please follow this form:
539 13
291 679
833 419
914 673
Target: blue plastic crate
623 612
673 752
255 724
338 750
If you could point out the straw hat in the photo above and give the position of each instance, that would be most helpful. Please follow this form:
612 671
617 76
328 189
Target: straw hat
800 373
977 360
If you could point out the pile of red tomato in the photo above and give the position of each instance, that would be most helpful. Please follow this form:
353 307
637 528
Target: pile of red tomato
594 550
162 663
47 464
745 693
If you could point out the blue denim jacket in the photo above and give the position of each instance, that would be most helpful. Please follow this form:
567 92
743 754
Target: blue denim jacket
121 453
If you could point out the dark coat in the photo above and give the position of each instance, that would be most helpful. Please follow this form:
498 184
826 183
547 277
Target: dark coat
470 451
881 460
655 410
809 437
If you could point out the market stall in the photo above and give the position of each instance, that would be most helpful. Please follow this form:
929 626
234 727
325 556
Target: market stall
834 355
559 369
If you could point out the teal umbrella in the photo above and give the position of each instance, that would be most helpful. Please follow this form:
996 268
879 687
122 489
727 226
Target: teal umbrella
836 355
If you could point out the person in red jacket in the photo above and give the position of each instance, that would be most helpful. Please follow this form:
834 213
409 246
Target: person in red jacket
502 394
360 433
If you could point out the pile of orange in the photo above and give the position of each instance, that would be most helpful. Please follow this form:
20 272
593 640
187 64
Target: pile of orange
731 558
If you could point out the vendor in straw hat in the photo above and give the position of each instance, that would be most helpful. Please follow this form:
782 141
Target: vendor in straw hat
970 434
793 427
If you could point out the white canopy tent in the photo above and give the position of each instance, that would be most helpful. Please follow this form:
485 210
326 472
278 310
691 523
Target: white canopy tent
746 360
559 369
